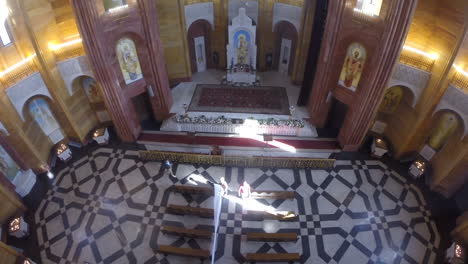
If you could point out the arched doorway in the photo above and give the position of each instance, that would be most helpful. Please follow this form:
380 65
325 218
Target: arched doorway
284 47
199 41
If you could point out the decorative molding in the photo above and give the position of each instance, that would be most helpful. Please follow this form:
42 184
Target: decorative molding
413 78
72 68
198 11
24 182
288 13
455 100
250 6
27 88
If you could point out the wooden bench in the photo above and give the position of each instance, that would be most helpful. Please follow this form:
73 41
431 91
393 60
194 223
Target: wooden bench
260 215
185 252
273 257
180 231
272 237
187 210
273 195
194 190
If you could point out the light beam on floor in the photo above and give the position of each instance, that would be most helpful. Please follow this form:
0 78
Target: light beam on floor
250 129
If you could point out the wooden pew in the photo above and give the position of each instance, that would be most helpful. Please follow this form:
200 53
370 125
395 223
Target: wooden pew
260 216
187 210
192 233
194 190
185 252
283 195
273 257
272 237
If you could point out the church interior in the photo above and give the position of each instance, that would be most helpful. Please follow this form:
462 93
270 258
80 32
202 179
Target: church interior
233 131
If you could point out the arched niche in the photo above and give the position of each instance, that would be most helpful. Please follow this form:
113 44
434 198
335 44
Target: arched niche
87 87
8 166
200 28
353 66
90 86
284 49
395 97
446 127
128 59
40 111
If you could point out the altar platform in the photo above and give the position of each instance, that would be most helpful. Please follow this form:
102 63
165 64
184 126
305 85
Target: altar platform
225 122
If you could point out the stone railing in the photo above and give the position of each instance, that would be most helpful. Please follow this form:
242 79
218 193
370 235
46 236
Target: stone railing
279 127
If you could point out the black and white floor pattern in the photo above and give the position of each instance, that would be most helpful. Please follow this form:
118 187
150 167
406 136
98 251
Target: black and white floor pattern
108 207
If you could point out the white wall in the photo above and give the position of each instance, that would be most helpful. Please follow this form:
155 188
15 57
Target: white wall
250 6
288 13
25 89
72 68
199 11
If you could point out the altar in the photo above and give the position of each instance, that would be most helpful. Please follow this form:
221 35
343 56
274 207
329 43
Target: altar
241 50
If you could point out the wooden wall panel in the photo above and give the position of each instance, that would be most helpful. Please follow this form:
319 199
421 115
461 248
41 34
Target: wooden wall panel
173 35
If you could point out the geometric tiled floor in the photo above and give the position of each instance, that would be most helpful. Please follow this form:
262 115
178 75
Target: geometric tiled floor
108 208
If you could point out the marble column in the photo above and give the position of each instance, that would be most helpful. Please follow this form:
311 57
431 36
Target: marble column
383 39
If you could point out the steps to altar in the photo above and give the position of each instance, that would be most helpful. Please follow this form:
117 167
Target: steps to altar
237 146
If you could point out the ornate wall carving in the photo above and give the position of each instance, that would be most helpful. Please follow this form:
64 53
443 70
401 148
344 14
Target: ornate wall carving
456 100
198 11
288 13
413 78
27 88
73 68
250 6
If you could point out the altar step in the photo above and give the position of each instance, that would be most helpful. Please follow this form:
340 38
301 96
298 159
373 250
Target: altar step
184 252
233 145
184 232
272 257
272 237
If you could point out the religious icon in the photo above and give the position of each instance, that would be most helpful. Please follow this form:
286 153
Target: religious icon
92 90
242 40
242 50
7 166
42 114
353 65
128 60
391 100
445 128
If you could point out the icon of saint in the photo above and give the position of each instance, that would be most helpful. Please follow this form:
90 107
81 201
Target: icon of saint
353 67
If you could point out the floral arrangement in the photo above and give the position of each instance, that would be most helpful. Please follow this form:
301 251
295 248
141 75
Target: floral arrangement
222 120
281 122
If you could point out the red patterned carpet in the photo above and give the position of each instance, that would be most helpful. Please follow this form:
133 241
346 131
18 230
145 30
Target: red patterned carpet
249 99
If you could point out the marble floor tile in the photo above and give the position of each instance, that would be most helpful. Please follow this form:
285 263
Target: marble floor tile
109 207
